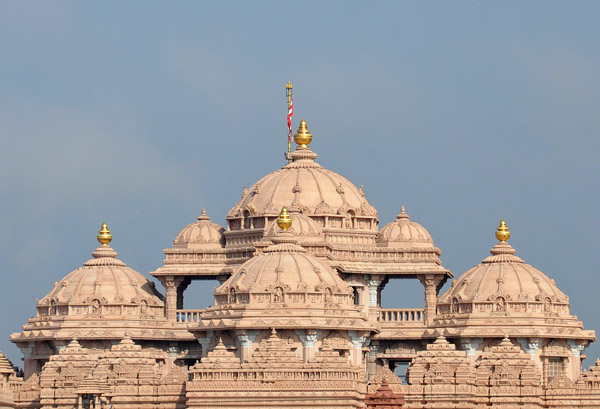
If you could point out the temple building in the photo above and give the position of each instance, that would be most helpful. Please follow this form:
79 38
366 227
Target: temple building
297 320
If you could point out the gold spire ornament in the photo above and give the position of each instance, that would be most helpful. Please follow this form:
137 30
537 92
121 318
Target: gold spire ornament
104 236
284 221
303 137
502 232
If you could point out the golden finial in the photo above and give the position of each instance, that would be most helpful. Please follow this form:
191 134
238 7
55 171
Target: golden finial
284 221
289 85
303 137
104 236
502 233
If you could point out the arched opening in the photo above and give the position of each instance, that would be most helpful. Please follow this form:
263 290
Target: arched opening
403 293
199 294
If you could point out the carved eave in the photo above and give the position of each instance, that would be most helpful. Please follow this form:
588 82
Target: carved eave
514 326
99 330
392 269
197 270
267 323
283 316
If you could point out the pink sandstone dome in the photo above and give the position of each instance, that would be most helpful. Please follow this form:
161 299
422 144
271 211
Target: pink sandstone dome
504 275
289 267
202 234
102 286
309 187
404 233
505 296
284 287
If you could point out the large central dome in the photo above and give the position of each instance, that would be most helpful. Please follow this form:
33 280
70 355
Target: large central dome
307 186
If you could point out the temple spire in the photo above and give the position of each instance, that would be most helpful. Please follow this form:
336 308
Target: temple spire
502 232
284 221
104 236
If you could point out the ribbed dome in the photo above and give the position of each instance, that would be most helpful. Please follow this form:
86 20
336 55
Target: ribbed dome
306 185
503 296
286 267
201 234
302 226
103 280
504 275
284 287
403 232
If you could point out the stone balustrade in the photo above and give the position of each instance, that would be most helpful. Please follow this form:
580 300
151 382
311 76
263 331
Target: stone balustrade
186 316
398 315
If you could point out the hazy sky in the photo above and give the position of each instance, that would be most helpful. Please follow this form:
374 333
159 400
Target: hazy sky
142 113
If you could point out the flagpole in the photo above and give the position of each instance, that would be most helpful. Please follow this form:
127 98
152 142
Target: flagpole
288 94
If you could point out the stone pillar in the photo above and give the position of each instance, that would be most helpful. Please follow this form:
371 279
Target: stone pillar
246 339
576 350
171 283
308 338
373 349
205 342
358 340
531 346
470 345
29 364
373 292
184 284
430 282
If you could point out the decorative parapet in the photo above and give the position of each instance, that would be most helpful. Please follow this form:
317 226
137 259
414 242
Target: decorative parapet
189 316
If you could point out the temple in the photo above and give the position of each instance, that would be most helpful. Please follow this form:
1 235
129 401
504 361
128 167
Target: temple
297 320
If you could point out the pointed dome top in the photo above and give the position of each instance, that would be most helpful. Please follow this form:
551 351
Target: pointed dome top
297 289
403 232
104 278
202 234
503 274
305 185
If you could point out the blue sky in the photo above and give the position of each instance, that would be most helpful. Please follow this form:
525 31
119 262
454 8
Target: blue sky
142 113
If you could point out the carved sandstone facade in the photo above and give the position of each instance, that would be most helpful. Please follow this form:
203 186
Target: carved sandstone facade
297 320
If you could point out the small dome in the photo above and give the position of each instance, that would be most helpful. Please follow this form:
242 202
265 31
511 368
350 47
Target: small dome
302 226
284 287
403 232
504 296
504 275
201 234
286 267
103 282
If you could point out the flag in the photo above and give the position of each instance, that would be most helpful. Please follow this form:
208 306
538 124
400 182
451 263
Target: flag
289 118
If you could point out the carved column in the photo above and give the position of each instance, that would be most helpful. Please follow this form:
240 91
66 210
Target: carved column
576 350
471 345
246 339
184 284
205 341
358 340
171 283
308 338
373 292
430 282
29 364
373 349
531 346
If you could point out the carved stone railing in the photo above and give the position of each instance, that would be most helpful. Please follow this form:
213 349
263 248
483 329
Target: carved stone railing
186 316
400 315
